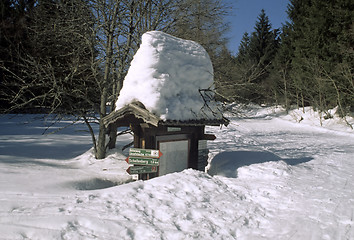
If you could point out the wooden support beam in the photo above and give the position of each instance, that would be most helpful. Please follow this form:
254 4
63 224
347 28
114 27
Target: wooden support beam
210 137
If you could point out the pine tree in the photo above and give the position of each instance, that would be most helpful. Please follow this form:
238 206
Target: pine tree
243 49
322 62
14 19
54 63
254 61
283 88
263 42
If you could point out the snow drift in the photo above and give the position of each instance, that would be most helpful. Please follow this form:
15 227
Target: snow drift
273 178
166 75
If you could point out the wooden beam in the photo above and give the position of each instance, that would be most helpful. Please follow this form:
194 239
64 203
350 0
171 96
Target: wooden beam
210 137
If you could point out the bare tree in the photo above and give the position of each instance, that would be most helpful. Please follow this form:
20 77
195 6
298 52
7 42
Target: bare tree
52 70
119 27
139 17
80 53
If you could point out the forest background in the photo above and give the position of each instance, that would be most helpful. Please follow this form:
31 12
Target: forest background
70 57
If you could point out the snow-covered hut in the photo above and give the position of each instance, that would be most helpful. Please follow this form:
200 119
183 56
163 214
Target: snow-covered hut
167 100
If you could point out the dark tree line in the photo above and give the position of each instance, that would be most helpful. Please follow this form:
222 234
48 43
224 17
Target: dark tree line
71 56
251 69
47 51
321 38
308 62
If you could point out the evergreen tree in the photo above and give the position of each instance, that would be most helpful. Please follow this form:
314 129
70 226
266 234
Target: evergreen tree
49 68
243 49
223 77
14 19
282 87
253 62
263 44
322 62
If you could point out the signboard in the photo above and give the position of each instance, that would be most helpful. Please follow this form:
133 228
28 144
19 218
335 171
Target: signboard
141 169
144 160
139 152
173 129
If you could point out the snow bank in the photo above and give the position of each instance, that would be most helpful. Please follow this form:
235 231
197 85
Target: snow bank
166 75
289 181
329 120
307 116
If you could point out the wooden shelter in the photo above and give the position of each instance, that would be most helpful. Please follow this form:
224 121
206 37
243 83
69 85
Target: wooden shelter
182 143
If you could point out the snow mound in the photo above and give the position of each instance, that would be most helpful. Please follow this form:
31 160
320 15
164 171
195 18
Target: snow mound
166 75
184 205
328 120
227 163
104 173
307 116
265 171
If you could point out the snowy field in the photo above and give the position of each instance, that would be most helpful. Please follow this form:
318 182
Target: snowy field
270 177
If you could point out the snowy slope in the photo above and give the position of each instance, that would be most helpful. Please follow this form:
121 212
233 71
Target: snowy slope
270 178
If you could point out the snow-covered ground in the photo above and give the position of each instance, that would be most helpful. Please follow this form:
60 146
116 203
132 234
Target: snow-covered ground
270 177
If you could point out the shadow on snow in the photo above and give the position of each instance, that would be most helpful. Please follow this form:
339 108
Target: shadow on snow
227 163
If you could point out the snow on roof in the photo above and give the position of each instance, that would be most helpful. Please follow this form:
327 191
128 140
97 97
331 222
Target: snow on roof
166 75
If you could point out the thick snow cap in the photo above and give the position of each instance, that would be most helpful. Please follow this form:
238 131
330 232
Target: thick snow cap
166 75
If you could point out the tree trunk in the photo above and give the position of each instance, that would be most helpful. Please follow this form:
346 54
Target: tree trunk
101 143
112 136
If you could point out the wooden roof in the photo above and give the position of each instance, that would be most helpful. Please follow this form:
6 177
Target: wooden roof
137 113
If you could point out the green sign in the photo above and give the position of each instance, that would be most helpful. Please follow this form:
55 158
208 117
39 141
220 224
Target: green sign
173 129
139 152
143 161
141 169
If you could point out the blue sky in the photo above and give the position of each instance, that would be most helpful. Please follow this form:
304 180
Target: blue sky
244 16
